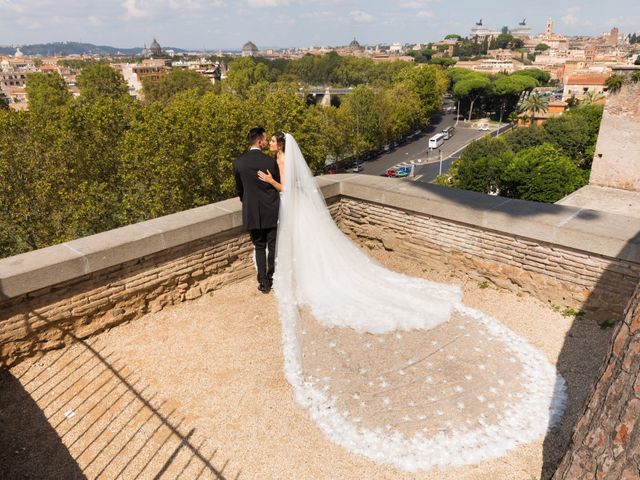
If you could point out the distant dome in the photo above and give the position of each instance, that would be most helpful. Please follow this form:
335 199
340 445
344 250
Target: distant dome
155 48
18 53
249 49
354 44
250 46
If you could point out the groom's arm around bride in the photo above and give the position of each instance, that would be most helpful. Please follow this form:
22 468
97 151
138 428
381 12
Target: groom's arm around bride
260 203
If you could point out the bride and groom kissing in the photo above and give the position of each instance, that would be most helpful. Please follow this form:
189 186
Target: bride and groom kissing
333 303
259 181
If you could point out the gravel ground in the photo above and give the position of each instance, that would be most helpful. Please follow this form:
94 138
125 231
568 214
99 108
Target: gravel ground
197 391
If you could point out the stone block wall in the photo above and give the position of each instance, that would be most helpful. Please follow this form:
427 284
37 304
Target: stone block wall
49 318
559 275
606 439
617 152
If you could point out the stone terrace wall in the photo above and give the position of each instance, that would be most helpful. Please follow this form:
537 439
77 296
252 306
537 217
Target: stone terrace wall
606 439
80 288
561 276
567 256
45 319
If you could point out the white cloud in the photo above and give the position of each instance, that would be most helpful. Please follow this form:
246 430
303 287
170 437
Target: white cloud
361 17
195 5
426 14
415 4
268 3
132 11
94 20
570 19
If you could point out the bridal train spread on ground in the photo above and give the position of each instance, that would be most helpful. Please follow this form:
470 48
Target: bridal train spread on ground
393 367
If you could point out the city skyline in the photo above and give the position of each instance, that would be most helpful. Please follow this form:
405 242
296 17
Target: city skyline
220 24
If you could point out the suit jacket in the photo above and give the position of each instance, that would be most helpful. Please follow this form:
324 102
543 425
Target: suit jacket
260 201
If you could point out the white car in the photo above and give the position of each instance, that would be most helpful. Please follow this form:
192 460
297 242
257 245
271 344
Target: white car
484 127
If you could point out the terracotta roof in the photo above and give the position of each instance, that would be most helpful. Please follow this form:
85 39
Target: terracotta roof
588 79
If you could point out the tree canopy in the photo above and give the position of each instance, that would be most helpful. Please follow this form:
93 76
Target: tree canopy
73 167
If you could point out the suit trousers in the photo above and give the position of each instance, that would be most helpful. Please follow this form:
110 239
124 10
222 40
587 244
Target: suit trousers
262 239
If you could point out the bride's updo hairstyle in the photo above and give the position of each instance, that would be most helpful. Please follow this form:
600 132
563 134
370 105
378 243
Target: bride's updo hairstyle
279 136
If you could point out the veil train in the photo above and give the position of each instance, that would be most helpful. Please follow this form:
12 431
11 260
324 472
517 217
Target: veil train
394 367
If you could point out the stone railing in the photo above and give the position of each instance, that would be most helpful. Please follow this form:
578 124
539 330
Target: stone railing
563 255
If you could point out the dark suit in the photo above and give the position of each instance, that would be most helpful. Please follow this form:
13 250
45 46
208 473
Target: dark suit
260 205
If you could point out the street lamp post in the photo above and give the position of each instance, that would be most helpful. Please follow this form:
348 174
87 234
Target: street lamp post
440 167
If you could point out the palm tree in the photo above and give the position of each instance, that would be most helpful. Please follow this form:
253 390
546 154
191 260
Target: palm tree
614 83
533 105
590 98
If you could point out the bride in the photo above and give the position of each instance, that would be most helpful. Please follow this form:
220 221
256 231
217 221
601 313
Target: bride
390 366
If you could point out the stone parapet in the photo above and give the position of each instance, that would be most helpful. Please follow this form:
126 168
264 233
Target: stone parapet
564 255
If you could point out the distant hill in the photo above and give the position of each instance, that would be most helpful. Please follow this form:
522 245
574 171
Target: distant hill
73 48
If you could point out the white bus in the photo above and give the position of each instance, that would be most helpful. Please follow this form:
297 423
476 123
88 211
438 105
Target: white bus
436 141
448 132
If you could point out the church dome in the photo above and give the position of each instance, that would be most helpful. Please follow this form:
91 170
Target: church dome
249 47
155 48
354 43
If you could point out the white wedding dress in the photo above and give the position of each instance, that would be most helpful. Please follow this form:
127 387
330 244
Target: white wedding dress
393 367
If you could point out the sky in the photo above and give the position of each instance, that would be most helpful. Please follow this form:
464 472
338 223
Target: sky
228 24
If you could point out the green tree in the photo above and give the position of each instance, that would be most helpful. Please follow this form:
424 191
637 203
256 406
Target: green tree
244 73
542 47
591 97
471 87
430 82
46 92
575 133
614 83
523 138
533 105
540 75
176 81
4 101
542 174
98 80
400 111
361 120
504 40
509 88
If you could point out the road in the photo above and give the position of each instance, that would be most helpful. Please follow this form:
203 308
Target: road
427 165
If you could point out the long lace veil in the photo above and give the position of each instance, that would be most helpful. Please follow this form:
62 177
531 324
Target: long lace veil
395 367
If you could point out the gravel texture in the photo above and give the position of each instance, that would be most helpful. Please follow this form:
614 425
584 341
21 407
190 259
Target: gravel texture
197 391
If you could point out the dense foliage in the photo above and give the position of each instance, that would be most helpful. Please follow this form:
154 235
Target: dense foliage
540 163
71 167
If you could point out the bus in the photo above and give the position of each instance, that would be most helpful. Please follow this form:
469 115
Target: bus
448 132
436 141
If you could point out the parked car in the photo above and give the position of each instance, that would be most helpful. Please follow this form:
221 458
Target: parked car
356 168
391 172
403 172
484 127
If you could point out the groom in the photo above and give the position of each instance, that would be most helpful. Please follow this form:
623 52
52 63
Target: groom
260 203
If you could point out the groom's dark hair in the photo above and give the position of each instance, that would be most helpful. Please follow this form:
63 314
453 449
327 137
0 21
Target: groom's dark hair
255 134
